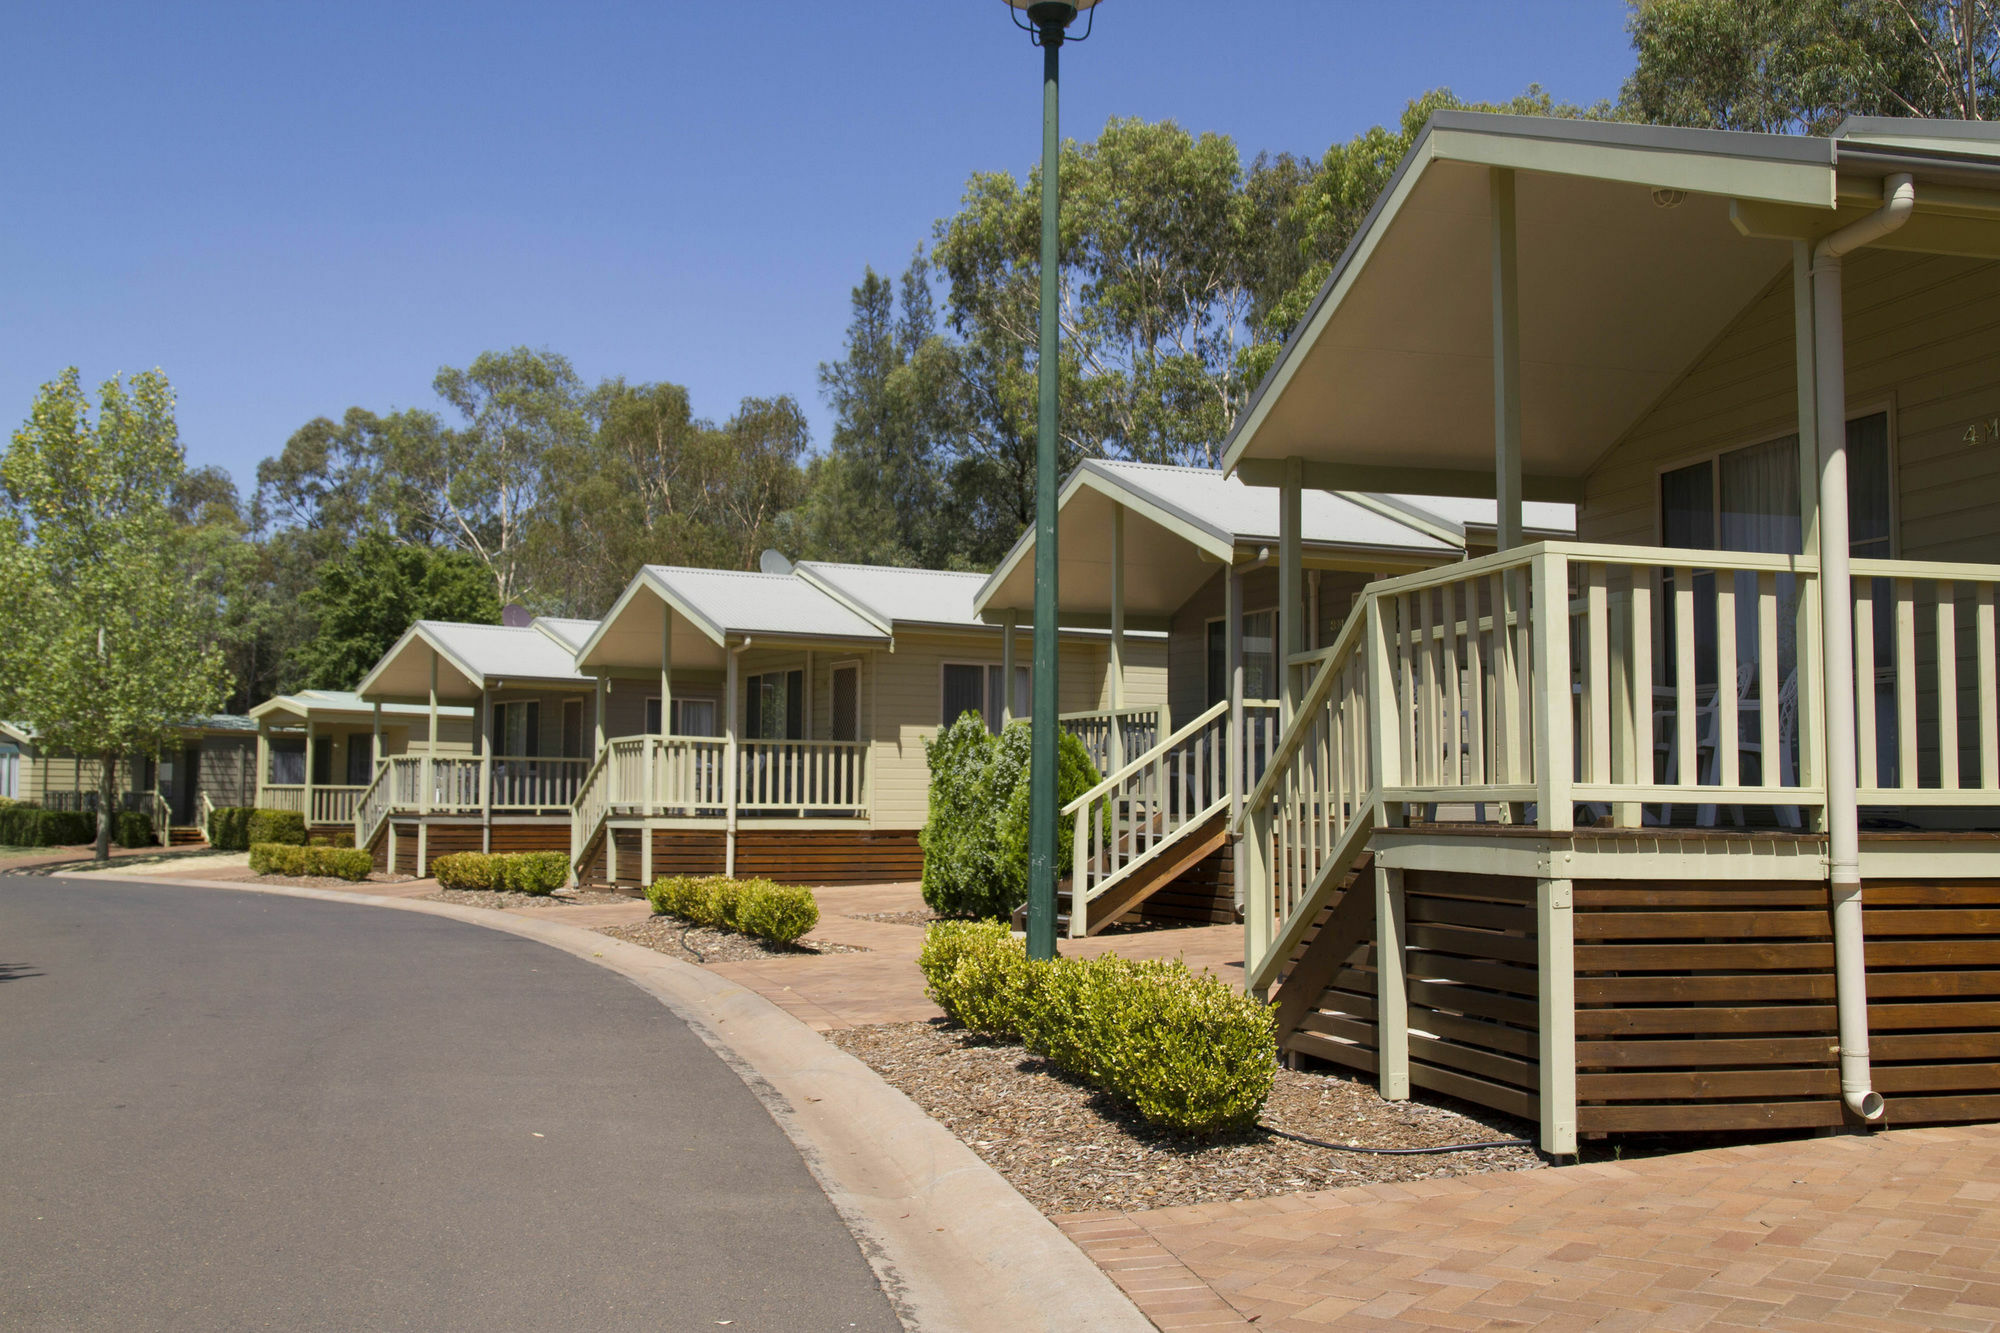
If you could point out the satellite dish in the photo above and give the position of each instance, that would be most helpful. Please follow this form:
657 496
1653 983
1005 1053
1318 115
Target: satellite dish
515 616
773 562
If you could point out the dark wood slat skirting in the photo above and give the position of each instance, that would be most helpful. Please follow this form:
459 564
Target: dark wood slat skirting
816 857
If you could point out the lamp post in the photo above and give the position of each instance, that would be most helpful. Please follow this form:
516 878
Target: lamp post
1048 24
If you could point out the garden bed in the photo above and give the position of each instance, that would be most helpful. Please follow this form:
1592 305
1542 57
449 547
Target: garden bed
706 944
1068 1148
498 899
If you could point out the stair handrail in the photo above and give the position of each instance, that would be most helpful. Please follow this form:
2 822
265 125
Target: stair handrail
584 820
207 817
1133 765
373 806
163 820
1294 732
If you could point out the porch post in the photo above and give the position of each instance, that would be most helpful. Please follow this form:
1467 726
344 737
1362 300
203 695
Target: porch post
731 759
1007 631
1291 600
307 804
375 744
666 670
428 775
1118 636
1555 956
485 768
1312 610
1239 766
603 701
1392 1009
1806 619
263 762
1506 363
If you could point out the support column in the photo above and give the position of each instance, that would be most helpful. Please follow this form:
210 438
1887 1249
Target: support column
1506 363
485 768
1118 637
1811 694
426 792
1008 625
1392 1009
1555 954
306 801
603 706
1291 589
375 743
1312 611
1239 738
730 759
263 763
666 670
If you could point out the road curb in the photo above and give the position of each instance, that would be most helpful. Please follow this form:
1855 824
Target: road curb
954 1246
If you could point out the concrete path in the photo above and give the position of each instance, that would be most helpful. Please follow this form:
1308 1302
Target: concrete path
1897 1230
233 1110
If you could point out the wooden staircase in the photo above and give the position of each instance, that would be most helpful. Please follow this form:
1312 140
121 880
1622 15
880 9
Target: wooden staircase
1326 998
186 835
1125 898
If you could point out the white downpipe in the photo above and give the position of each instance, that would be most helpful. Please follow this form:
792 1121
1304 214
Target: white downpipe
1850 971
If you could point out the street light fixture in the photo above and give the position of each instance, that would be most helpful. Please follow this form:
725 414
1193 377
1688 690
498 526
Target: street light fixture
1048 23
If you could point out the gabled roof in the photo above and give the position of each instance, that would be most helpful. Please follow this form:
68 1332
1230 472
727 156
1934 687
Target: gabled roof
470 658
889 597
726 602
570 633
1458 513
345 704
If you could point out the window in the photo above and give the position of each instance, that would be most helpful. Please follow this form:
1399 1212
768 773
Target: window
322 762
774 706
976 688
10 771
572 728
847 703
288 763
517 729
692 717
1260 666
360 760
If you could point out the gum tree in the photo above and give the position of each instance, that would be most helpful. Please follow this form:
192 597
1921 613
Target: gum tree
109 598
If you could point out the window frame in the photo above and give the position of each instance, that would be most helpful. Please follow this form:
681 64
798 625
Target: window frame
833 671
991 710
1207 621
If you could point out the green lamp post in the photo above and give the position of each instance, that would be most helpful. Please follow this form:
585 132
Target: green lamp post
1048 23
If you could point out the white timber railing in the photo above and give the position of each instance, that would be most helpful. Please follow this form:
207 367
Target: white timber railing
592 806
374 805
1158 798
334 805
1138 730
802 777
527 782
283 797
163 820
207 818
1927 727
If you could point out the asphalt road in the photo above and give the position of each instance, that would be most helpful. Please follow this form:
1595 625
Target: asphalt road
226 1110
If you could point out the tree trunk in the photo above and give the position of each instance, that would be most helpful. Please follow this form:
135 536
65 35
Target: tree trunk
107 798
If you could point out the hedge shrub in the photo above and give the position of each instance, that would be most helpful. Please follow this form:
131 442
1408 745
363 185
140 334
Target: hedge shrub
285 858
132 828
338 838
229 828
781 913
287 826
31 826
976 839
536 873
1187 1051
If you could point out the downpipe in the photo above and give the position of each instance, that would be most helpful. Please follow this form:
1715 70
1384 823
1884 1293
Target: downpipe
1850 970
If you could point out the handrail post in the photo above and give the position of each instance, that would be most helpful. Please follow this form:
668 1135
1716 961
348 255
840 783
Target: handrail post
1260 904
1386 722
1555 758
1392 1009
1079 897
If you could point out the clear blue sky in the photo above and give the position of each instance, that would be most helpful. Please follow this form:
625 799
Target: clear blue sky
294 208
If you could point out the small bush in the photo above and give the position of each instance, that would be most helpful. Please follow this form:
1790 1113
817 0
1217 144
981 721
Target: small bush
1187 1051
781 913
290 859
286 826
338 838
229 828
538 873
132 828
31 826
464 870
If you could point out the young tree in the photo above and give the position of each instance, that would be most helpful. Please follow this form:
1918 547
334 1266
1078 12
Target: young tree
111 626
371 594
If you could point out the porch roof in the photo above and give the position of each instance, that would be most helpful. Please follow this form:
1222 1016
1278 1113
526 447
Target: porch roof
300 706
1182 523
1636 245
470 658
712 608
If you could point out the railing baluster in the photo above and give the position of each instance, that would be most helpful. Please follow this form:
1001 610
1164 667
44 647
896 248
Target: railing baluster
1906 683
1687 761
1597 670
1989 738
1727 752
1868 768
1947 684
1767 679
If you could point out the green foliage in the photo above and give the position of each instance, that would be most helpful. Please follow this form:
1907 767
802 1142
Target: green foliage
108 595
31 826
367 597
338 838
132 828
781 913
537 873
287 826
464 870
1187 1051
976 838
298 862
229 828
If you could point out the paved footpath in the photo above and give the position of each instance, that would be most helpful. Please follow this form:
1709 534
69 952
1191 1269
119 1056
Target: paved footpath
236 1110
1898 1230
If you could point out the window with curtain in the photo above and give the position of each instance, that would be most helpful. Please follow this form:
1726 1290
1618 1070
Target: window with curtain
964 688
847 703
572 728
288 763
517 729
1260 657
774 706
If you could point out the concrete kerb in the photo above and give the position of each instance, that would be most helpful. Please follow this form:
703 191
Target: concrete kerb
953 1244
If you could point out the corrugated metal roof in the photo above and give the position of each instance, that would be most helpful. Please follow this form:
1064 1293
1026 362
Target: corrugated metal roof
571 632
1536 515
1234 511
503 651
346 701
904 596
736 602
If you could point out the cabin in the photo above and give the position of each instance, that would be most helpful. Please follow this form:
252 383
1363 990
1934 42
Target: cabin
1188 553
319 750
1692 823
773 723
178 787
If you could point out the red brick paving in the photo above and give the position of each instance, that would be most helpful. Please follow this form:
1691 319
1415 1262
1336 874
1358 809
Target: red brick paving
1895 1230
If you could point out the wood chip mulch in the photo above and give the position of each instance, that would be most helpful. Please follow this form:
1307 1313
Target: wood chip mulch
704 944
488 898
1068 1148
919 918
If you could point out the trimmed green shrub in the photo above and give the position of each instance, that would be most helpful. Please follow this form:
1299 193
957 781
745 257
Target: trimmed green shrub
463 870
132 828
976 839
1187 1051
337 838
31 826
287 826
284 858
781 913
229 828
532 872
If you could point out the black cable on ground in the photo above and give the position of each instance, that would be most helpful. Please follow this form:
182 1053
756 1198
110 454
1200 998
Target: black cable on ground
699 956
1395 1152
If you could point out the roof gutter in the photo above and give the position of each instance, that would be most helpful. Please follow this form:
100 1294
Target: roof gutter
1850 973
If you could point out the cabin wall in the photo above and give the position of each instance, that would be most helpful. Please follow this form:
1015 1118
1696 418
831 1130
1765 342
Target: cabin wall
1187 643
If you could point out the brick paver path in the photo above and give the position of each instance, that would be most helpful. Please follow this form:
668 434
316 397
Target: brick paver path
1895 1230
